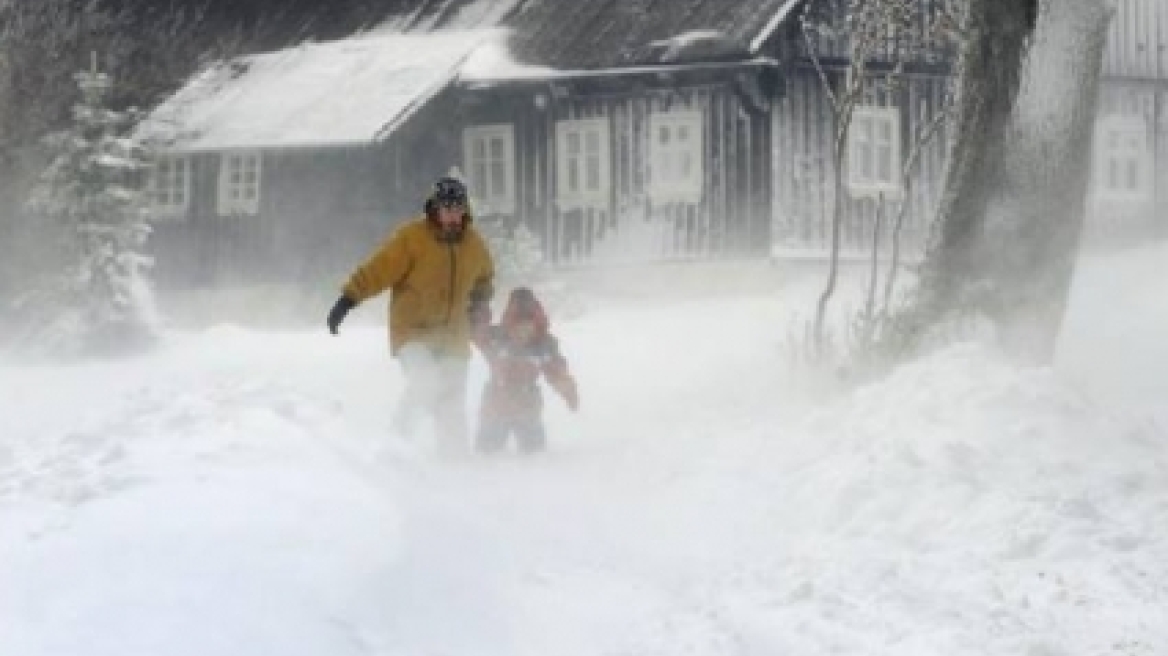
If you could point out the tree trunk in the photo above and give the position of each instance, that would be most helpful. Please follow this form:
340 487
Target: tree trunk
1013 204
1033 228
990 65
843 119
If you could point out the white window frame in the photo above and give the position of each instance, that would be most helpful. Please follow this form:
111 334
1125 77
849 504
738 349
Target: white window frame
874 158
169 186
240 182
583 173
676 173
1122 142
490 173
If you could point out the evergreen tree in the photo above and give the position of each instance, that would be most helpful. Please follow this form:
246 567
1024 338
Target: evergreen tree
102 301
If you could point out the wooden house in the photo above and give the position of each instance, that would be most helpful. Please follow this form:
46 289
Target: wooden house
617 131
627 134
275 167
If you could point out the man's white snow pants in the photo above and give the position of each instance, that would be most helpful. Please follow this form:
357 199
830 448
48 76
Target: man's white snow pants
435 386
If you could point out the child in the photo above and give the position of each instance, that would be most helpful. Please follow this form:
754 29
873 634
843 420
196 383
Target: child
518 350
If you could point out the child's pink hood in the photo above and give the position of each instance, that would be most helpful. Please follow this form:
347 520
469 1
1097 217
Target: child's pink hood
522 304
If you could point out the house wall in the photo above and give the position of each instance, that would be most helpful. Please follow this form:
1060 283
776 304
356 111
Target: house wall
1133 86
190 249
324 209
313 205
804 125
321 210
730 218
804 172
1123 218
1137 43
1135 65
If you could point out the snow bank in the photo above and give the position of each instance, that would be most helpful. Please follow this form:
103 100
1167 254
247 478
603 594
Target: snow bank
239 492
965 507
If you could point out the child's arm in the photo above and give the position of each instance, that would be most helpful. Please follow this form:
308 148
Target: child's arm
484 338
555 371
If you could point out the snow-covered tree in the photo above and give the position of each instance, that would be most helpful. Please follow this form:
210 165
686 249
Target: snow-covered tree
149 48
102 300
1032 231
1013 203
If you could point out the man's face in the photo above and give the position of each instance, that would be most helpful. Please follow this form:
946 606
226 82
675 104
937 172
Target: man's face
450 217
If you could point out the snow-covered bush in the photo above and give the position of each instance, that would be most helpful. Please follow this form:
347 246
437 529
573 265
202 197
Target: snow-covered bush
519 261
516 250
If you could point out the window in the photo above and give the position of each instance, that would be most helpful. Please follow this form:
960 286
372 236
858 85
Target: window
1122 161
675 154
874 152
583 169
489 158
169 185
239 183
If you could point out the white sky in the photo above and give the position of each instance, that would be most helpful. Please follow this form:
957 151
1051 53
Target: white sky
239 493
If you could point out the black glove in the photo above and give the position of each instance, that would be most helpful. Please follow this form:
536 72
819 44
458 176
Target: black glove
337 314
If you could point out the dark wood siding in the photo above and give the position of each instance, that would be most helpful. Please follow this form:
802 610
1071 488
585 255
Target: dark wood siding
322 210
729 218
1135 65
804 174
316 206
1123 219
1137 44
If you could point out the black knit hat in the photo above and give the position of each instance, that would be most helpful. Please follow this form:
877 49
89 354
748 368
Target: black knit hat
449 191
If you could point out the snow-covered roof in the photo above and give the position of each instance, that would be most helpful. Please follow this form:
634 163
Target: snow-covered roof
618 34
493 61
360 89
357 90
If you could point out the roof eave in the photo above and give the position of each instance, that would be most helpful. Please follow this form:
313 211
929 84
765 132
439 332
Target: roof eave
212 149
647 69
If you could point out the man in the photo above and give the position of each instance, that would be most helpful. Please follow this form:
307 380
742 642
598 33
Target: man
440 273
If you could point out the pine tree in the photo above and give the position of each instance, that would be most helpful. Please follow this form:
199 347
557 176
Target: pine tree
102 302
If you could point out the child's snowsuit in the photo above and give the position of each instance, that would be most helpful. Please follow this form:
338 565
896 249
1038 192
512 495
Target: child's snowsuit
512 402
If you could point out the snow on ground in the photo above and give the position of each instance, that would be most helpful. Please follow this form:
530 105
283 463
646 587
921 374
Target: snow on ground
1115 344
239 492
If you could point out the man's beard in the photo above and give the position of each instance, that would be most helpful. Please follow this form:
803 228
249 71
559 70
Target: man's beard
450 233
